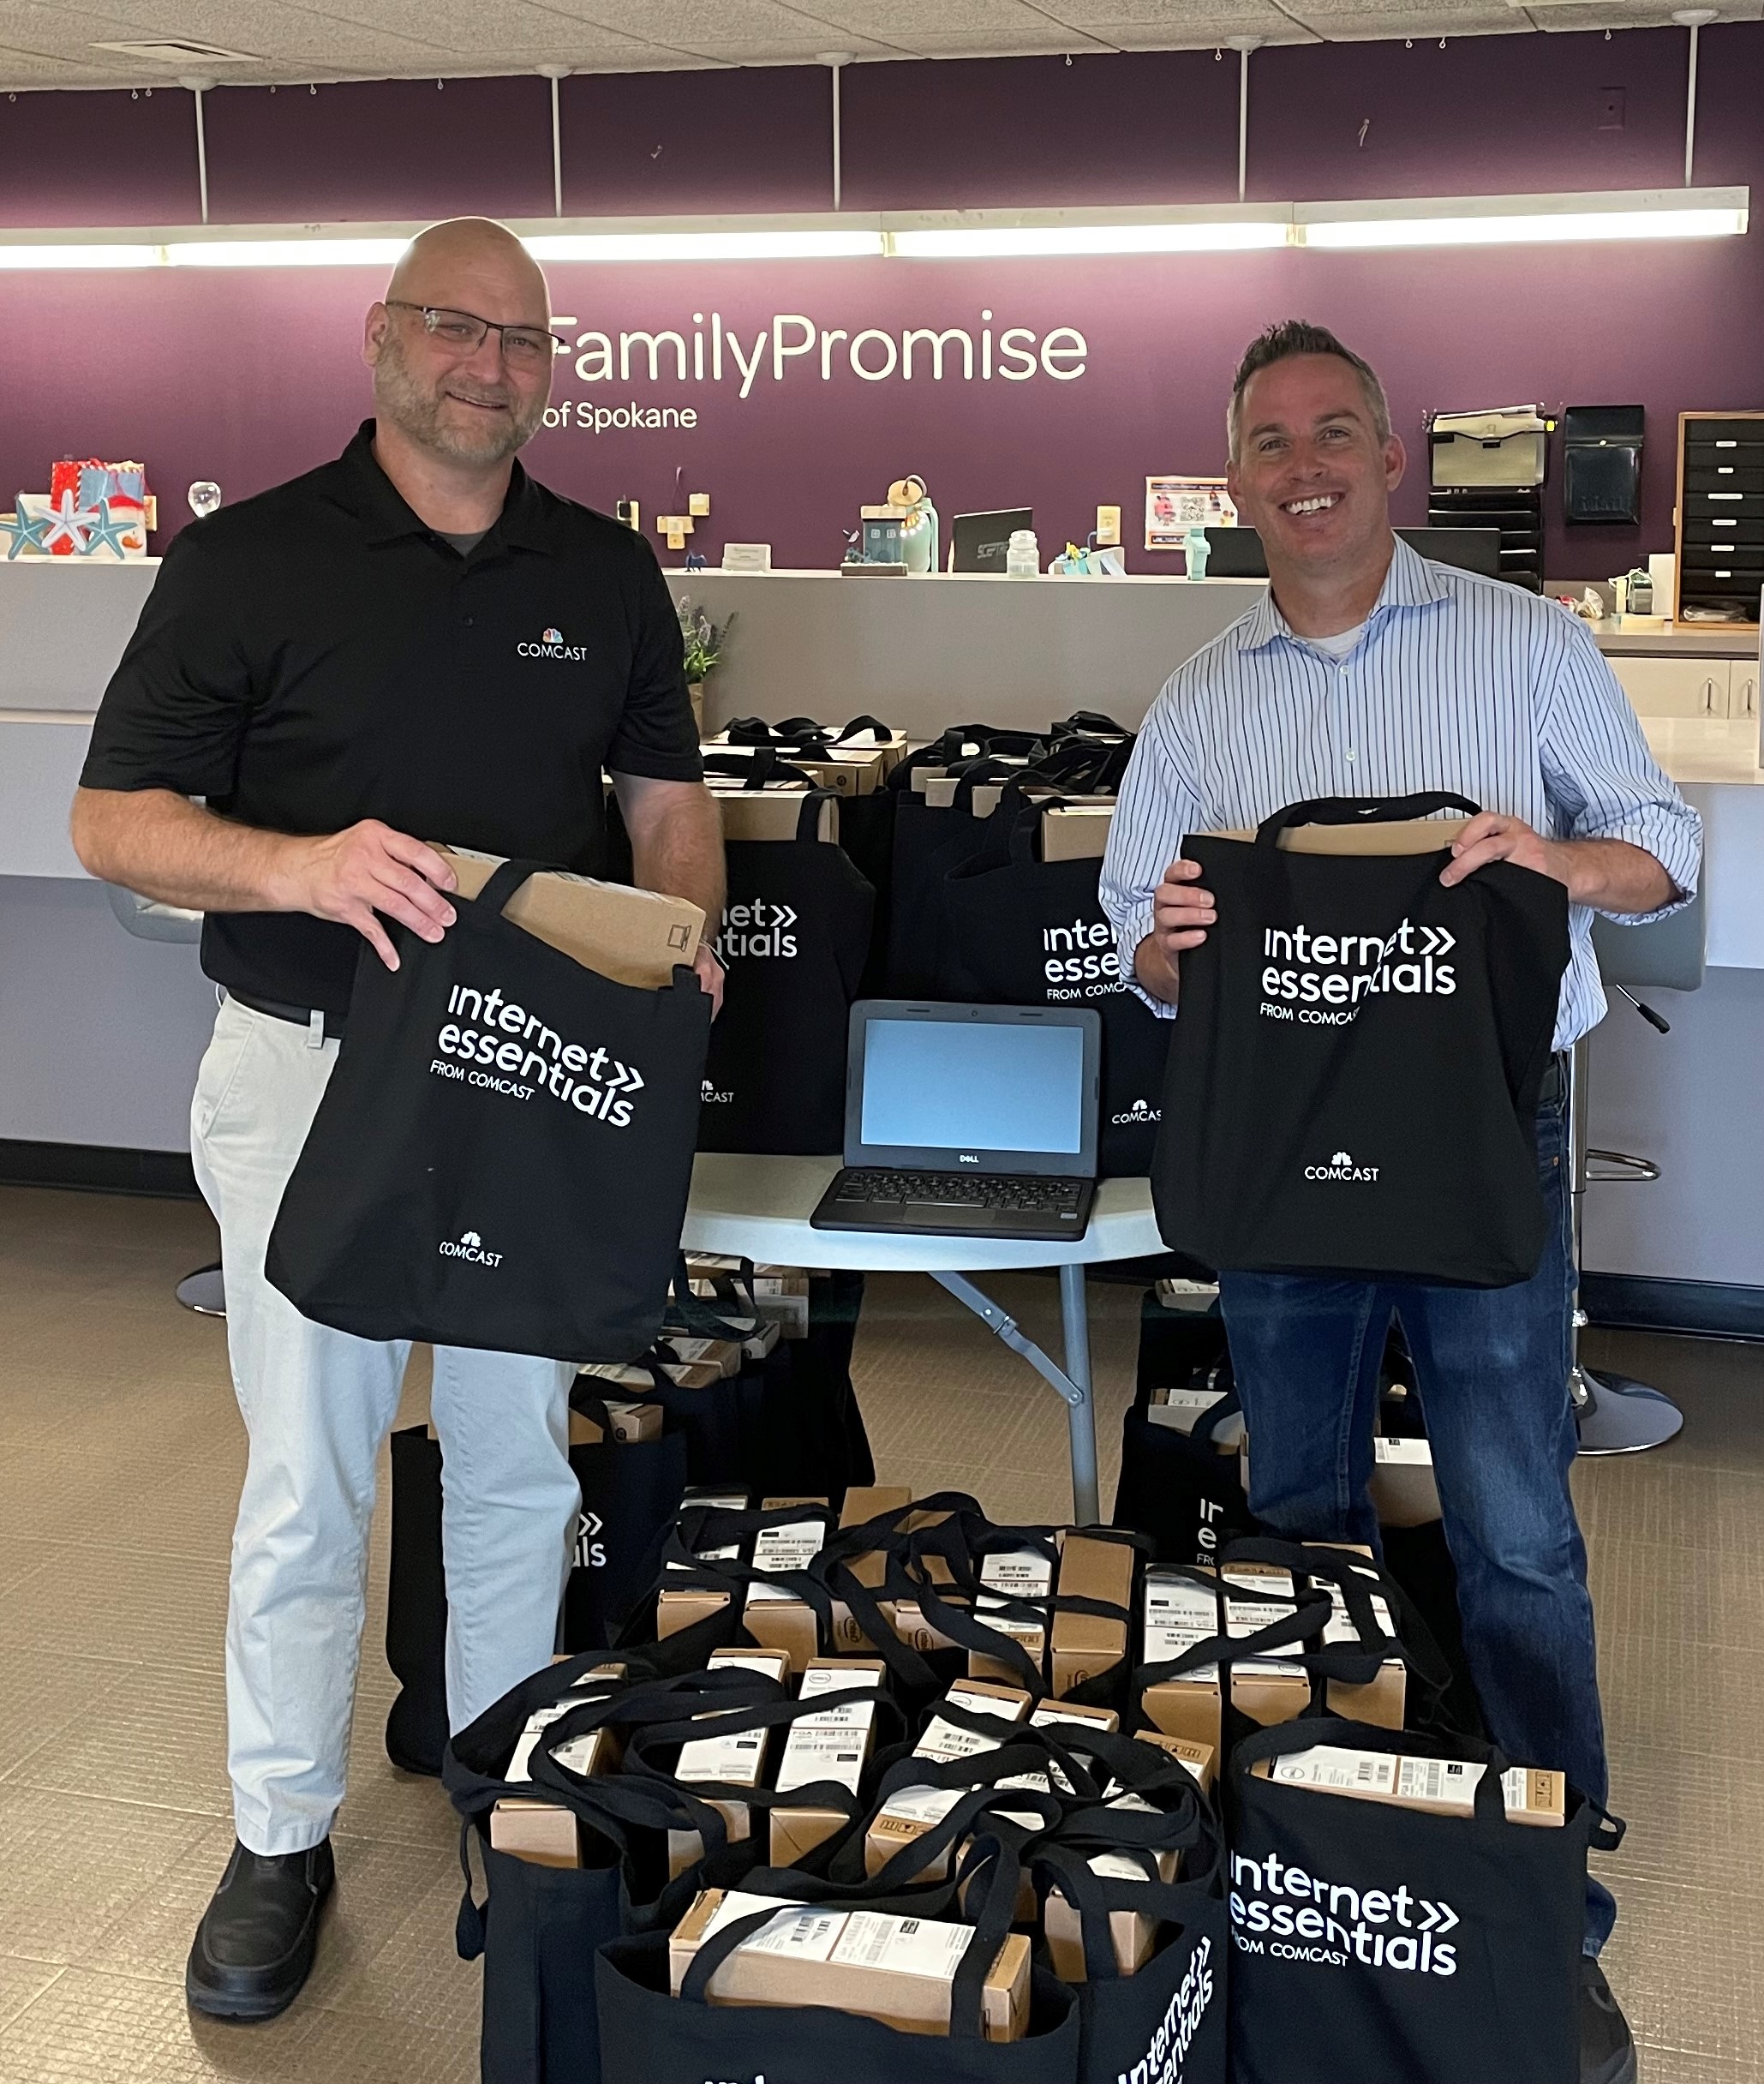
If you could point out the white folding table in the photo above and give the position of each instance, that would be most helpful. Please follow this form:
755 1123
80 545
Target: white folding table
758 1209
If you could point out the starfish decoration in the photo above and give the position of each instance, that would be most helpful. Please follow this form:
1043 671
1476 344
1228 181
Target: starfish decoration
108 530
69 523
26 534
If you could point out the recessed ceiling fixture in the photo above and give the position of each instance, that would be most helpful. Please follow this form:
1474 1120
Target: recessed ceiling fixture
180 50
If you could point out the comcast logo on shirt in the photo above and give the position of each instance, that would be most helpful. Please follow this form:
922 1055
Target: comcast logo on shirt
551 644
1141 1110
469 1246
1342 1166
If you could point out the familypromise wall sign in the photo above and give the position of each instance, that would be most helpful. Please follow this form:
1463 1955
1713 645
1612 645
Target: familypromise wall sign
736 360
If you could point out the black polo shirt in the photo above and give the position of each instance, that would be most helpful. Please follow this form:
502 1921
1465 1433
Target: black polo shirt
316 655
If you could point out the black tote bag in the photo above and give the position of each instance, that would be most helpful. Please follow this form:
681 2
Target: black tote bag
1439 1946
1024 932
794 941
1354 1079
531 1207
631 1490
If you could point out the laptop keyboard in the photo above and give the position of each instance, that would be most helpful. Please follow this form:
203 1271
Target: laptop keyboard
960 1190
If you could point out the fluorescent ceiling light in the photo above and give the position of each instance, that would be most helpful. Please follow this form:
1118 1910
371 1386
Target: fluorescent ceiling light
707 245
284 253
1004 240
78 255
1527 220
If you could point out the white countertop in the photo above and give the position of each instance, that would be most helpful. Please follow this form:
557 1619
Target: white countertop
1706 749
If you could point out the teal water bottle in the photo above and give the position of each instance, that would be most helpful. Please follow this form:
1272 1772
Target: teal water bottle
1196 549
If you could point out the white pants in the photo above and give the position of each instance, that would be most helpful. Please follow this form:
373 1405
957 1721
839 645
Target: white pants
317 1405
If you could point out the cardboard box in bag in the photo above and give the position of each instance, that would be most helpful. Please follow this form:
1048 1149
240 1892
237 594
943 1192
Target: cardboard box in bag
633 937
1133 1932
1200 1759
1438 1787
1405 836
1179 1614
622 1374
772 1615
737 1759
677 1608
1404 1492
632 1423
1087 1644
864 1502
1012 1574
546 1833
853 770
1182 1409
912 1810
832 1745
1075 832
897 1970
769 813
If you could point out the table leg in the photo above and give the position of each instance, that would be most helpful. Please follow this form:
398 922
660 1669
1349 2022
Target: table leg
1072 1386
1081 1415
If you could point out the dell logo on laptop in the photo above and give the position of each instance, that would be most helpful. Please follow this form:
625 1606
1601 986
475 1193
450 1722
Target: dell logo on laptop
966 1158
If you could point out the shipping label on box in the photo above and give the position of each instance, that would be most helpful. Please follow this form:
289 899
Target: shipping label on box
1442 1787
945 1740
896 1969
832 1745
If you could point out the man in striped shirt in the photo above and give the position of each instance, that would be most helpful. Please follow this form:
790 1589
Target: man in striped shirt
1366 670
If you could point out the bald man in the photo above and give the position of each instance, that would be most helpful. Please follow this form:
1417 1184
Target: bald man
413 643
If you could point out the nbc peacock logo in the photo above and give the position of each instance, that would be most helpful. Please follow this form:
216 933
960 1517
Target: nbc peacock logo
552 637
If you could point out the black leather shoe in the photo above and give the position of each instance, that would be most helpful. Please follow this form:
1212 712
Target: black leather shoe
1607 2048
254 1949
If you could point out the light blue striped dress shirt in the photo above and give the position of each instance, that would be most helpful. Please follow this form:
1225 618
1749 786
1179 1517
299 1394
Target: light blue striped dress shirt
1457 682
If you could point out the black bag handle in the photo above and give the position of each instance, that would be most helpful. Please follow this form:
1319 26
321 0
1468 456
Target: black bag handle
756 767
1362 811
504 880
866 726
799 731
1360 1577
1088 723
808 819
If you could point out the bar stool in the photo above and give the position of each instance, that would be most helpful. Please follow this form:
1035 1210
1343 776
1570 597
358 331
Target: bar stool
1613 1413
146 919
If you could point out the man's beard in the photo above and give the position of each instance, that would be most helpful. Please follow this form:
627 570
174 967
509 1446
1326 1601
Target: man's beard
400 397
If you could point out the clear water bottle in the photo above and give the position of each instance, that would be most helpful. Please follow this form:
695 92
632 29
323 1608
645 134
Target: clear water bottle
1022 557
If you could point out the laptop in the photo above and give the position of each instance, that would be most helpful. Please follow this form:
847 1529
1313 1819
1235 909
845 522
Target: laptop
979 542
968 1120
1237 553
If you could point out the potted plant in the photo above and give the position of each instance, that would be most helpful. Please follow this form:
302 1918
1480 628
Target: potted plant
703 640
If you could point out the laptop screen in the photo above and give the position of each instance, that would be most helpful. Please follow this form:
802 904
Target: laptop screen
962 1086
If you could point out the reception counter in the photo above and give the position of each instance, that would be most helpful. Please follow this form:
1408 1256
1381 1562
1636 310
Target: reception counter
100 1033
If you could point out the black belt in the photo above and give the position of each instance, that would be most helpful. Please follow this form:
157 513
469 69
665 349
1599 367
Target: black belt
331 1024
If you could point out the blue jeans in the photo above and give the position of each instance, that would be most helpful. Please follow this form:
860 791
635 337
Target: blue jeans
1493 1368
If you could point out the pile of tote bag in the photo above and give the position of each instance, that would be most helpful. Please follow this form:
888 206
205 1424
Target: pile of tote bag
876 1788
747 1386
964 869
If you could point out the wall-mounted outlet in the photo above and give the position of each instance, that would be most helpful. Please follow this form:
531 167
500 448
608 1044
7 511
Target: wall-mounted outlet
1609 105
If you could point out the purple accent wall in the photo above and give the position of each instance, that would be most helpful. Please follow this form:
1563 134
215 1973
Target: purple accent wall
249 377
638 144
1155 126
388 149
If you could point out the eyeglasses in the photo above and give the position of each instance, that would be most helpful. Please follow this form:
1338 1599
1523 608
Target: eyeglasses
463 332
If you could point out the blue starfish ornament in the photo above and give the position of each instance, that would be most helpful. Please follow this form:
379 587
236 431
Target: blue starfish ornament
24 533
108 530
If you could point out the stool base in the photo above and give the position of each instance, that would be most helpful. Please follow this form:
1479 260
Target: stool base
1618 1415
203 1292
